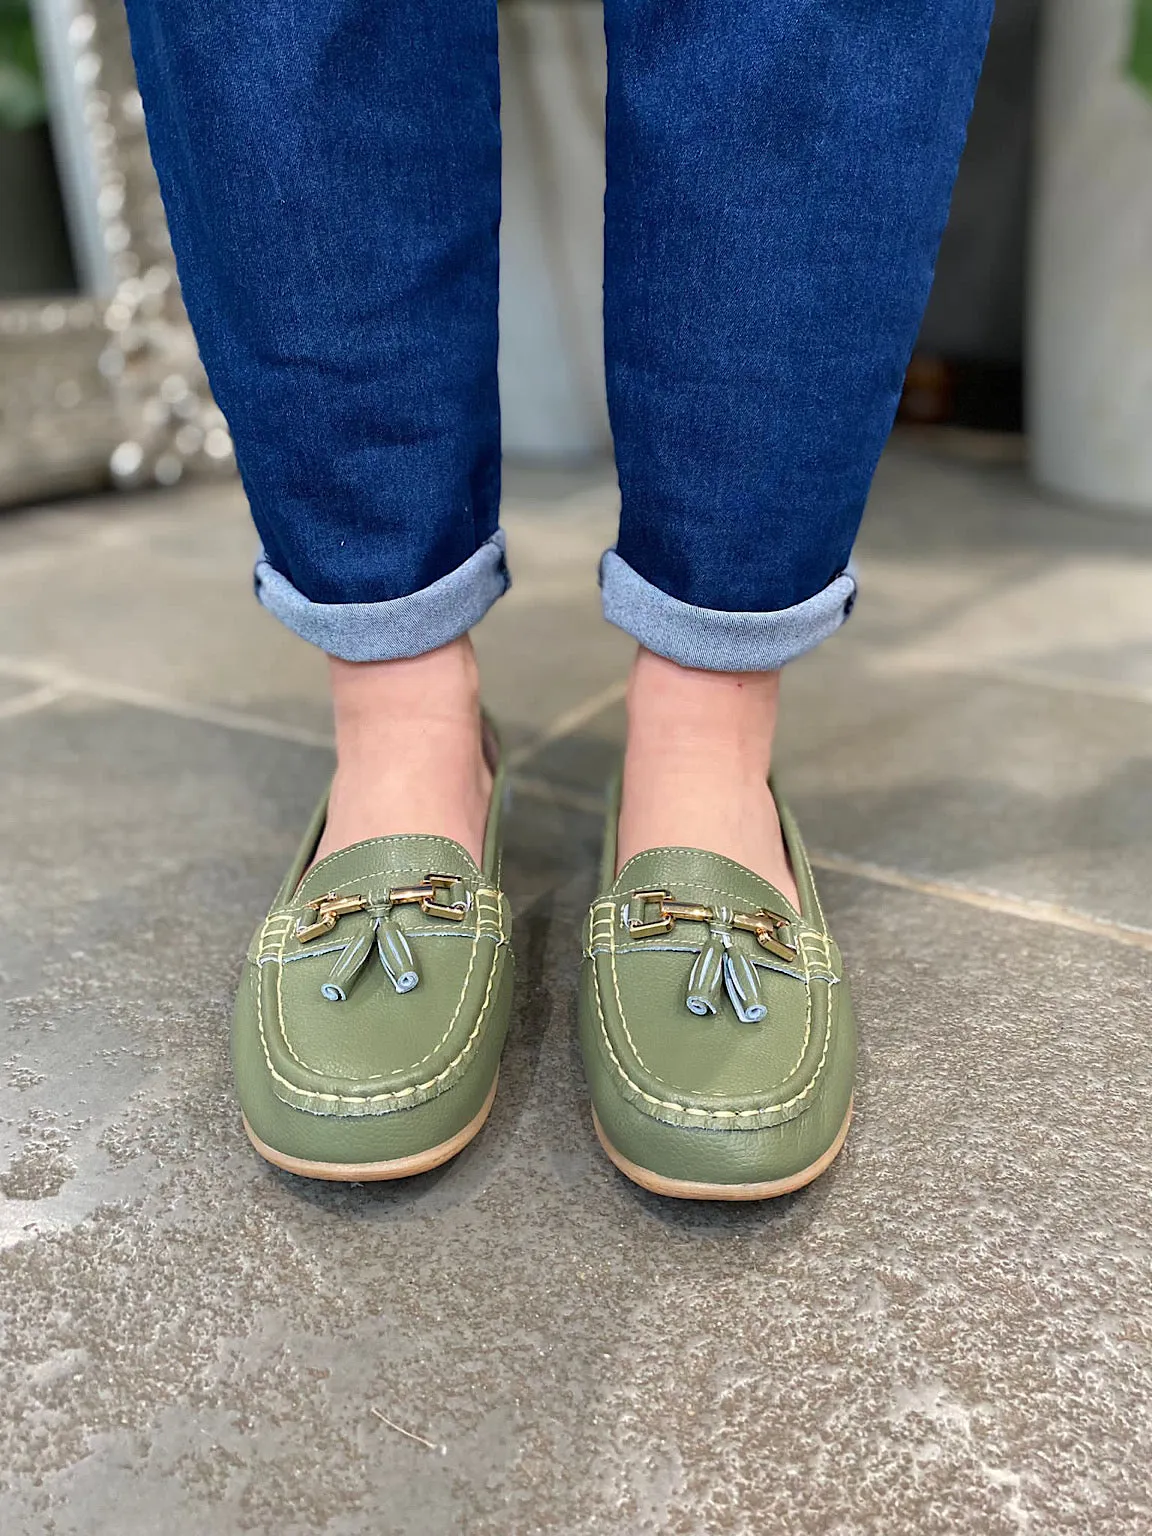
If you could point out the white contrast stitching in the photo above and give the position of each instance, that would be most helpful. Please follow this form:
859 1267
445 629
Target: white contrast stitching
818 937
396 1072
807 979
620 1008
642 948
807 1016
399 837
375 1098
714 890
496 933
710 1114
719 858
487 927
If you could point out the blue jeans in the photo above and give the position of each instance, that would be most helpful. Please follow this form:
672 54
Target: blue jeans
778 180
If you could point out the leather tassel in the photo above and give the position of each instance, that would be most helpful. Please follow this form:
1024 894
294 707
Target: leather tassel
743 985
396 956
349 964
706 980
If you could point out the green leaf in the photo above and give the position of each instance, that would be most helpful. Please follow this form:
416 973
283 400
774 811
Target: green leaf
1140 54
22 102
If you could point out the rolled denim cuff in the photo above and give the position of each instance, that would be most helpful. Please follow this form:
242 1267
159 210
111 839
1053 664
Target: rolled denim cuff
713 639
399 626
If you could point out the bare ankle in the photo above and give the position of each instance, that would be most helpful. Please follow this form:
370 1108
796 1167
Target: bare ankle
728 715
441 685
409 749
697 763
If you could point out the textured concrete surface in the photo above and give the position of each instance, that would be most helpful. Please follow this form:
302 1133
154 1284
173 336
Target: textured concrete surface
949 1333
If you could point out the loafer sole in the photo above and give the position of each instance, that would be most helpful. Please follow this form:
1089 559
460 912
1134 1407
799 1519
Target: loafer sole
690 1189
391 1168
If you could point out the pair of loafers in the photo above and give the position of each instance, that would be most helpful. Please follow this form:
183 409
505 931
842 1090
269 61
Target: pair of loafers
716 1027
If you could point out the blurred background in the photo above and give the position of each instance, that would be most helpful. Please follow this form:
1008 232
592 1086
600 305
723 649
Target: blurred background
193 1343
1039 315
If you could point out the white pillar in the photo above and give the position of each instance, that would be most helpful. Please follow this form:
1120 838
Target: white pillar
551 245
1090 301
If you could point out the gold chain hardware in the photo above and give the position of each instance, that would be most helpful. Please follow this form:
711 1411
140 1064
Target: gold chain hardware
329 910
670 913
763 924
425 896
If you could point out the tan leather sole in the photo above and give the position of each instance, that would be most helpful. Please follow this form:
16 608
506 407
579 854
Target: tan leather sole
393 1168
688 1189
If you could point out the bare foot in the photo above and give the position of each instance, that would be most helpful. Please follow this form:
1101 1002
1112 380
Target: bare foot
696 766
409 750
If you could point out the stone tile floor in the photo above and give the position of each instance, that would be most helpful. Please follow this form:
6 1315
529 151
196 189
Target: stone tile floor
949 1333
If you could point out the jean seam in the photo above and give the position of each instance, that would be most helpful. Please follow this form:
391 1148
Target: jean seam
409 625
715 639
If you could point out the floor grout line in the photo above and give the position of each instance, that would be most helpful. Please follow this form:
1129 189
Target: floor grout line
28 703
1101 687
570 721
1049 913
60 681
67 682
558 794
1025 907
1033 677
57 682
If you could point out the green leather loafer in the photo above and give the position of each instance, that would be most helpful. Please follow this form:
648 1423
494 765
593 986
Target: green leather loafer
716 1026
373 1006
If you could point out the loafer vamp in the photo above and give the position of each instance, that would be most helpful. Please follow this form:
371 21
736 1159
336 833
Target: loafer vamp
715 1059
384 1010
710 1060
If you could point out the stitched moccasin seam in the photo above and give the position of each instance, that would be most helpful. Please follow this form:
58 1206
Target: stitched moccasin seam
336 1098
768 1113
655 1076
323 1100
717 858
410 1066
764 1115
399 1071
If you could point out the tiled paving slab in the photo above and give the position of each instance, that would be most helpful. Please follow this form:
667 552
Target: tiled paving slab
160 601
1037 792
966 565
1013 788
11 690
948 1334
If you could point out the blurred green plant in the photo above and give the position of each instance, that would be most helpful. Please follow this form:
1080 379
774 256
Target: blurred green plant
22 102
1140 55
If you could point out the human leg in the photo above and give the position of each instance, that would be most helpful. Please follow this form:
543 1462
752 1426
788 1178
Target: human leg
778 181
331 175
332 181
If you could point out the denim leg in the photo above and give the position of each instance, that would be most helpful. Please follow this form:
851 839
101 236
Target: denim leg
779 173
332 179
